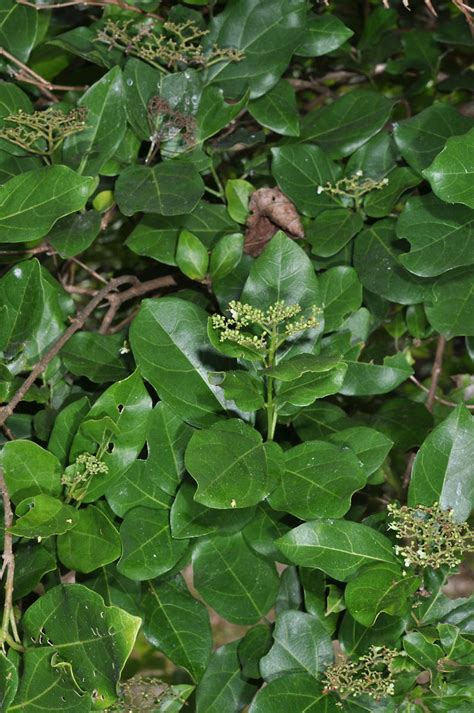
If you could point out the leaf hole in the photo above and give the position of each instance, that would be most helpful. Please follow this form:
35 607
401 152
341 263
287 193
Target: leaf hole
110 447
120 408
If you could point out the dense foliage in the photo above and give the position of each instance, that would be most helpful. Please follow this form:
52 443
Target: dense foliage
236 337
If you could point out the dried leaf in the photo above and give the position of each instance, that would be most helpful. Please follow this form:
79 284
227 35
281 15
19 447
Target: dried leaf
270 210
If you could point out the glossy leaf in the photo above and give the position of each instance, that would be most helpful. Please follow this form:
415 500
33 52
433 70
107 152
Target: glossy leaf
233 580
443 466
366 378
96 356
338 547
30 470
176 359
301 644
178 625
341 294
18 28
94 639
148 547
451 172
381 202
167 439
191 256
8 681
323 34
32 562
277 110
22 303
319 481
169 188
450 306
296 691
138 485
223 686
43 516
332 230
92 543
31 203
73 234
370 446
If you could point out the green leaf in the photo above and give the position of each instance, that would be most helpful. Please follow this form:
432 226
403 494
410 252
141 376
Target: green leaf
375 158
169 188
191 519
233 580
94 639
237 194
223 687
31 203
230 464
442 471
293 692
299 169
252 647
96 356
75 233
320 420
455 646
277 110
319 481
322 34
171 347
138 485
376 259
405 422
43 516
367 378
65 426
192 257
440 236
89 150
92 543
306 377
167 439
342 127
18 28
370 446
242 387
140 82
262 531
47 685
127 404
272 276
115 589
380 203
379 588
148 547
30 470
32 562
357 639
226 255
8 681
267 32
450 306
425 654
331 230
301 645
451 173
424 135
214 113
338 547
178 625
21 304
341 294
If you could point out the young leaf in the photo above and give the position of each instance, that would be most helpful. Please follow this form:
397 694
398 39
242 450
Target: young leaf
192 257
451 172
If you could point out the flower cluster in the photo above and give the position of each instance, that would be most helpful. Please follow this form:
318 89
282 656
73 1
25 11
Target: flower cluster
431 536
177 43
369 675
144 693
42 132
353 187
268 322
78 476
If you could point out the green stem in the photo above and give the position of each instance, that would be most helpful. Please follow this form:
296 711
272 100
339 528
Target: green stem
270 404
217 180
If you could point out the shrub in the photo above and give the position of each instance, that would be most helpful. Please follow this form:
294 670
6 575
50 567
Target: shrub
236 343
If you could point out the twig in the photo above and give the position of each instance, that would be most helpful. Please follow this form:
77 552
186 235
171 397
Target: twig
445 402
76 324
8 565
7 432
408 469
436 372
26 74
43 248
92 3
136 291
123 323
88 269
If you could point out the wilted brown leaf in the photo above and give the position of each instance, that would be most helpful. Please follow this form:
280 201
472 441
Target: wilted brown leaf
270 210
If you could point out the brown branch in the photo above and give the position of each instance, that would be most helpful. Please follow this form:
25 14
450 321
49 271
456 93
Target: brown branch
8 565
91 3
445 402
138 290
7 432
77 323
27 75
436 372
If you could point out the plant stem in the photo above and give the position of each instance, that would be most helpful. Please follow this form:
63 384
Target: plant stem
8 567
270 404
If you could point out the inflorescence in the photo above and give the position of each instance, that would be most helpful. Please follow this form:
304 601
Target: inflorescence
42 132
268 323
177 43
77 477
431 536
370 675
353 187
